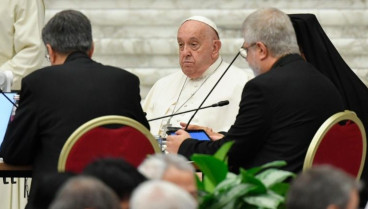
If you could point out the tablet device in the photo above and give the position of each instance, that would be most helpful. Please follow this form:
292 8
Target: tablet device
6 109
195 134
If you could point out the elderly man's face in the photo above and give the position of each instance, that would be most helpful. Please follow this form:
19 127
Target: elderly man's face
197 48
251 57
184 179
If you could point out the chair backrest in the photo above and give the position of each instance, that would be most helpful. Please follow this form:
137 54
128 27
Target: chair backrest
107 136
340 142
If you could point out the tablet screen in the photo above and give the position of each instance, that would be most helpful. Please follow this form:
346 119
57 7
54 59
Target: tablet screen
196 134
6 109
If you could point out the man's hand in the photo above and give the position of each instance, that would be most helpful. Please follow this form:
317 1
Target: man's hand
213 135
173 142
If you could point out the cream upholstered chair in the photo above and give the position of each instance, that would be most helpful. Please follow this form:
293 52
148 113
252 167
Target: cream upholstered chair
107 136
340 142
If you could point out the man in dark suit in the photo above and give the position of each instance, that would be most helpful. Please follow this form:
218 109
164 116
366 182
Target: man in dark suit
281 109
56 100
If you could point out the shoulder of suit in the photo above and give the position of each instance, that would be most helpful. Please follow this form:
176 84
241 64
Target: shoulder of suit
118 70
40 72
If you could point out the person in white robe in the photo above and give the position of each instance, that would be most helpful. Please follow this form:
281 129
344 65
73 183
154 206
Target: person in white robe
21 49
202 66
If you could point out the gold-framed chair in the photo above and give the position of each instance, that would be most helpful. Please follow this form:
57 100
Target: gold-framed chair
341 142
107 136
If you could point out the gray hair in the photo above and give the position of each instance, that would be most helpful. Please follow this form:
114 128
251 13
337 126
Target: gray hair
68 31
85 192
161 194
320 187
273 28
154 166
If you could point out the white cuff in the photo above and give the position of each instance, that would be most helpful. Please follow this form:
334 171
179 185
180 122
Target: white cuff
6 80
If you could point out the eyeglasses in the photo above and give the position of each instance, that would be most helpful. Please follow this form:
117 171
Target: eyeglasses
244 50
47 57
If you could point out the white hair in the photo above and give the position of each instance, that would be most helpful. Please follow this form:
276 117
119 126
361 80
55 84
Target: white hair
273 28
155 166
85 192
320 187
161 194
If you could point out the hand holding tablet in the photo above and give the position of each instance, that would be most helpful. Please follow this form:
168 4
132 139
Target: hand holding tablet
194 134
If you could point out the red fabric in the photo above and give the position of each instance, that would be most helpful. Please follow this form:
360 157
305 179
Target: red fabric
125 142
342 147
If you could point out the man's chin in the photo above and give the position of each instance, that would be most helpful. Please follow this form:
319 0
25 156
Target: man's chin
188 70
256 70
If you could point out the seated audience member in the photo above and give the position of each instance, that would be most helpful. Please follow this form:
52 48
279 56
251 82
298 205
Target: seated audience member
323 187
47 188
161 194
82 192
201 67
56 100
173 168
119 175
322 54
281 108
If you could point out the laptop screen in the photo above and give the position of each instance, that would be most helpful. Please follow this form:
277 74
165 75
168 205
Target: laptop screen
6 109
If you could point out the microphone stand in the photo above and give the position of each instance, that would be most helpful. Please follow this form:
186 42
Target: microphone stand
219 104
186 127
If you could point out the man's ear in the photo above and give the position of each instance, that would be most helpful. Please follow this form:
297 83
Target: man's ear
90 52
216 48
262 50
51 53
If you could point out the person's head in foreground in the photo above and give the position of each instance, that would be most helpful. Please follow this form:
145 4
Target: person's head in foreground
170 167
268 35
47 189
323 187
118 174
161 194
83 192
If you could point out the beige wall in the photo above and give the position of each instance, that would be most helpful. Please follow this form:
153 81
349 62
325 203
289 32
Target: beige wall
140 35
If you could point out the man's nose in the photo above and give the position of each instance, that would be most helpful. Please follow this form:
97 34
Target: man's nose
187 50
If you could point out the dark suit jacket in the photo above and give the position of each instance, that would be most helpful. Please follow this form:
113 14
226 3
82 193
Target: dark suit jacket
56 100
279 114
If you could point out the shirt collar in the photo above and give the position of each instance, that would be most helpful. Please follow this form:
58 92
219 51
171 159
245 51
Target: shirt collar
76 55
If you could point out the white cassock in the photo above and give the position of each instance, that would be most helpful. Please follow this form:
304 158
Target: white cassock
21 50
177 93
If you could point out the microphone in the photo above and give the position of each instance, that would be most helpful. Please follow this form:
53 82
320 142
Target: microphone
218 104
1 91
236 56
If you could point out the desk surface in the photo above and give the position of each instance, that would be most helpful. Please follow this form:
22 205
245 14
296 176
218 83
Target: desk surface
14 170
